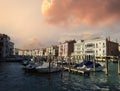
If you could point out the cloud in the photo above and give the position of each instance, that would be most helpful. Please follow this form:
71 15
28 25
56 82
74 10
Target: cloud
90 12
32 44
76 36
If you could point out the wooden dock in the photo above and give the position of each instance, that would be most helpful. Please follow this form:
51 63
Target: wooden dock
77 71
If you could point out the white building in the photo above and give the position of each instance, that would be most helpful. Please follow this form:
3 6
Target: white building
52 50
97 47
79 50
26 52
35 52
19 52
42 52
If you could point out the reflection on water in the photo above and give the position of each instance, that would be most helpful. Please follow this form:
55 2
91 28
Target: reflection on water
14 78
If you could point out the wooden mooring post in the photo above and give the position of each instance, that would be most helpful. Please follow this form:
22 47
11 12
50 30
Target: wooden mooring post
69 64
94 61
62 66
106 63
49 65
119 65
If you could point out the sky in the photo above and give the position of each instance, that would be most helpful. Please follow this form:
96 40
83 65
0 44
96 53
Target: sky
41 23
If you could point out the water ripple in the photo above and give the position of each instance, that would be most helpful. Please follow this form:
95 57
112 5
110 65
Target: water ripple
14 78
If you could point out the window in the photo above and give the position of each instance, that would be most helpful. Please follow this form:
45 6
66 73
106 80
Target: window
90 45
96 45
89 51
103 52
1 38
103 44
96 52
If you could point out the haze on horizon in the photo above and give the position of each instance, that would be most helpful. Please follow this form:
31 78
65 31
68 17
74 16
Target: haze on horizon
41 23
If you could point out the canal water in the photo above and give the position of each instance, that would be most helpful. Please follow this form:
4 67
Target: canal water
14 78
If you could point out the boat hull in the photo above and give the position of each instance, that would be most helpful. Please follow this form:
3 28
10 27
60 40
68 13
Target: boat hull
47 70
100 68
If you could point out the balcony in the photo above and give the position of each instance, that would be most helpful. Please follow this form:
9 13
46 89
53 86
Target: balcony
89 52
89 46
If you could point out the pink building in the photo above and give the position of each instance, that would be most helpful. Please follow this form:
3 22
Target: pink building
66 48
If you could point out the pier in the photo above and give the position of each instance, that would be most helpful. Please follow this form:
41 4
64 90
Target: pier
83 72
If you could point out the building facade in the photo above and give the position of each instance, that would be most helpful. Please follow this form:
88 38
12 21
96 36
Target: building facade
18 52
119 50
95 48
6 46
33 52
42 52
52 50
66 48
79 50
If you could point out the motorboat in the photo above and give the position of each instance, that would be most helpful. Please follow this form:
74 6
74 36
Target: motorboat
89 65
31 66
48 68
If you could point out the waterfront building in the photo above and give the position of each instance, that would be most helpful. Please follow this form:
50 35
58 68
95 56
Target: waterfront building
16 51
66 48
35 52
79 50
119 50
25 52
11 48
42 52
52 50
95 48
6 46
29 52
21 52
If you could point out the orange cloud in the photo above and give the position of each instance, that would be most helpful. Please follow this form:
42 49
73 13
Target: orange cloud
91 12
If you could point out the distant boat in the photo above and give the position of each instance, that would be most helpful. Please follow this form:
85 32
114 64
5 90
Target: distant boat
31 66
25 62
89 65
46 69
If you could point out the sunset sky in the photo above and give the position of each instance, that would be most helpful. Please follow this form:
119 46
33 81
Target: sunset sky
41 23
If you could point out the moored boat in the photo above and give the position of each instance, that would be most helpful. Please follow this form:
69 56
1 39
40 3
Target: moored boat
31 66
91 66
48 68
